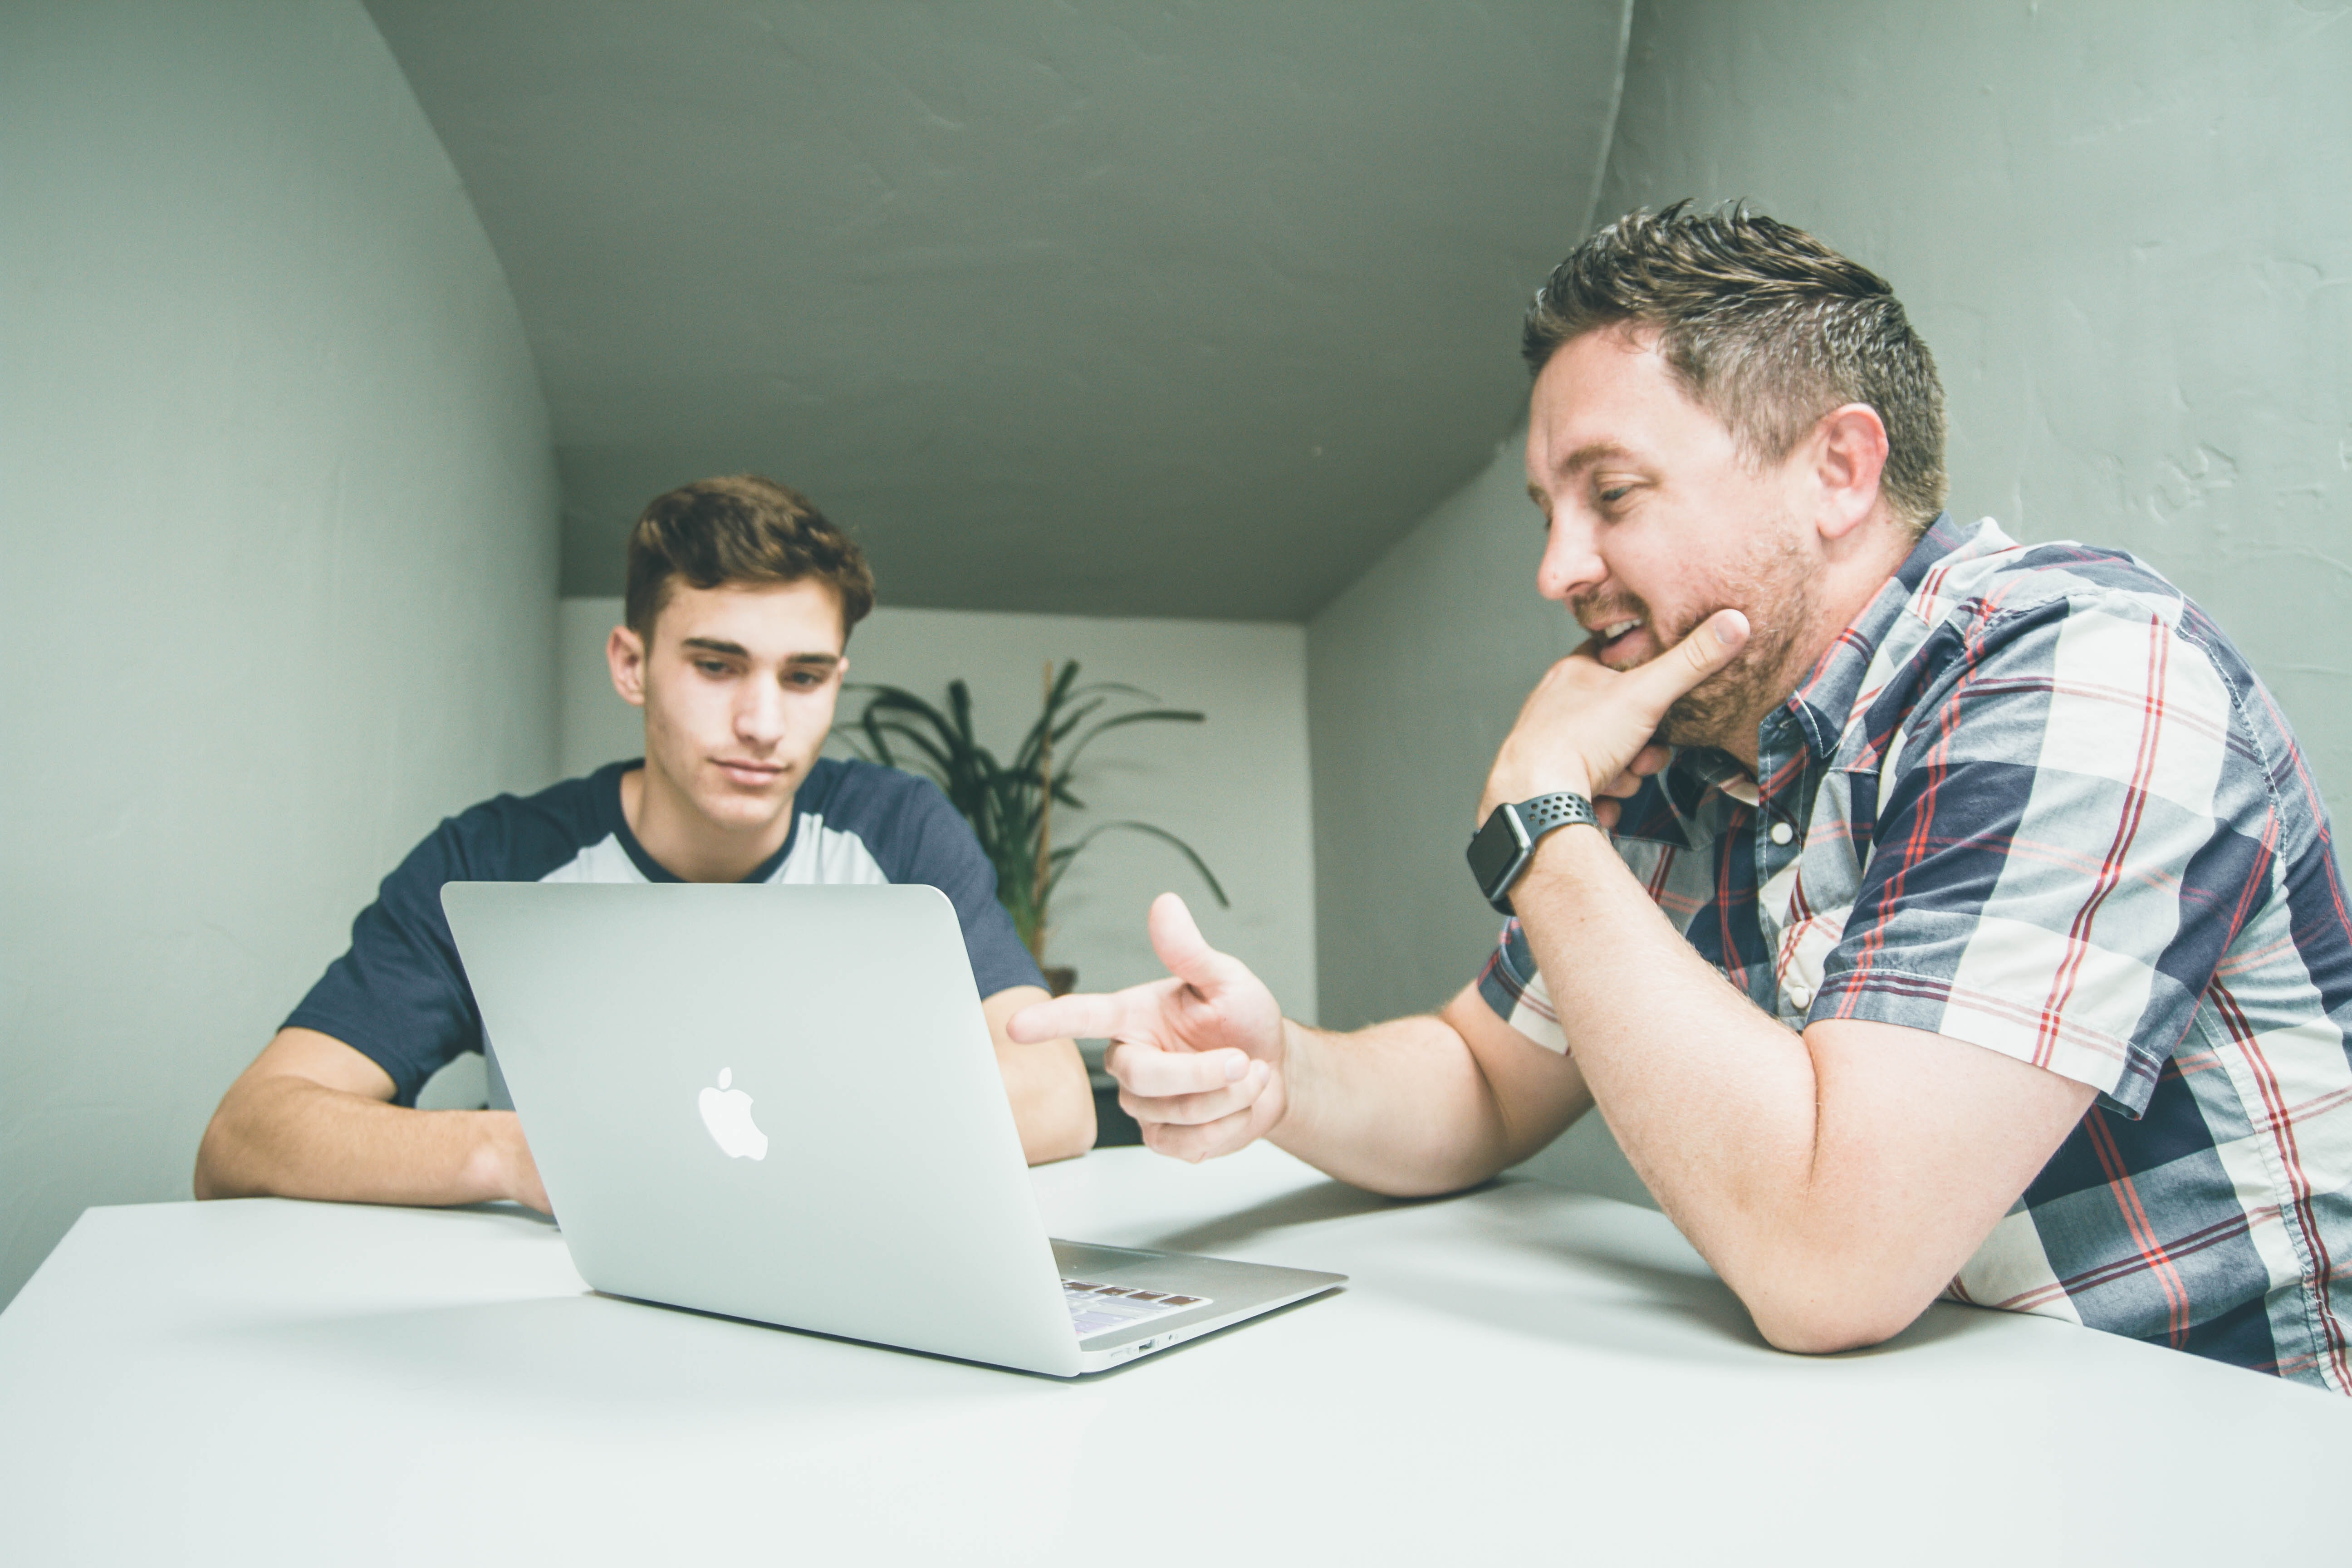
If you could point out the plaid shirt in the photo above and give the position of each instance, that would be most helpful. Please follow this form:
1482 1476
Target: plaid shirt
2033 799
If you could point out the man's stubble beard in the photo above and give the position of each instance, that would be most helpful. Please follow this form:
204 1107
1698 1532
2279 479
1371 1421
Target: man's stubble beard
1727 706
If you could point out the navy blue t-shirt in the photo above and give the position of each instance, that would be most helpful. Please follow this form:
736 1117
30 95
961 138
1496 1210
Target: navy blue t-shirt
399 998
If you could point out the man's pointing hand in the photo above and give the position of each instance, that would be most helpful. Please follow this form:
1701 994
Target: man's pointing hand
1198 1055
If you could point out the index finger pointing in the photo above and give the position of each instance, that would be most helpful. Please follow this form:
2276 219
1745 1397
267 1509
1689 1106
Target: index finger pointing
1078 1017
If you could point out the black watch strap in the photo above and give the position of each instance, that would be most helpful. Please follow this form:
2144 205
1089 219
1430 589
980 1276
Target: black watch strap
1500 851
1546 812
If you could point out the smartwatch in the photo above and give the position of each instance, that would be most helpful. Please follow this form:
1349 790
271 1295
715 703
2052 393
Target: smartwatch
1500 851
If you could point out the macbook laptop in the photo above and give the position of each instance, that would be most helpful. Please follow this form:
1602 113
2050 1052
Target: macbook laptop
782 1104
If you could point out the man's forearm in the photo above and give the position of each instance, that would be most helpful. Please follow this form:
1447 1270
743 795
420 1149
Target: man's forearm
1714 1103
1045 1080
289 1137
1837 1179
1053 1102
1400 1108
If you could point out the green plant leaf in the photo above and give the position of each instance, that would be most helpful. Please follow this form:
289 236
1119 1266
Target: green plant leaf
1062 857
1006 805
931 750
1148 716
1121 686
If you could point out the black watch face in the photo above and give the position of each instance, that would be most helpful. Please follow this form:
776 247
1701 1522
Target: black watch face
1493 851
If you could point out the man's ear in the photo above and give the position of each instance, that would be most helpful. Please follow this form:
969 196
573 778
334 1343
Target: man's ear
1848 455
625 652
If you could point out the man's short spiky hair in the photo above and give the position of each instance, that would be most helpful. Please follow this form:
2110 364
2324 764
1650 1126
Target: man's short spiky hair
1765 327
739 529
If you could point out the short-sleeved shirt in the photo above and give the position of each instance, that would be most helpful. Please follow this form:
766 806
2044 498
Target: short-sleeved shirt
400 996
2033 799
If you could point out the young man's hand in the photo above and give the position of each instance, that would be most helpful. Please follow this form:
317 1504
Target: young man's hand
513 1174
1198 1055
1591 730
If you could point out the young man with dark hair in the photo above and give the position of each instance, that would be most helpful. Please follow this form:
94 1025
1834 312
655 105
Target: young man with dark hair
1926 914
742 597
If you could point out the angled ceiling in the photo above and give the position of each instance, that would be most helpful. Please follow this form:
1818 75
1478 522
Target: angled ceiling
1105 307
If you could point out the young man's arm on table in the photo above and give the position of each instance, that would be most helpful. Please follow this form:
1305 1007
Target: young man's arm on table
1836 1180
313 1118
1053 1102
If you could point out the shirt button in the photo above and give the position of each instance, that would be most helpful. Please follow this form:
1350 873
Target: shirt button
1782 833
1799 997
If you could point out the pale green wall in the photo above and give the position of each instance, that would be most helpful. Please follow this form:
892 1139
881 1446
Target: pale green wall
1412 677
2123 230
279 519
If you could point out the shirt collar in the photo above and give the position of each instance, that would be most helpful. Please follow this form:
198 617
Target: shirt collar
1824 704
1821 707
1711 766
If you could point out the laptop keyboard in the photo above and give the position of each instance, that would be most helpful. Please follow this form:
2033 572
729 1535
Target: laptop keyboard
1096 1308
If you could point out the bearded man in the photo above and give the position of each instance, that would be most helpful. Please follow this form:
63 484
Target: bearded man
1926 914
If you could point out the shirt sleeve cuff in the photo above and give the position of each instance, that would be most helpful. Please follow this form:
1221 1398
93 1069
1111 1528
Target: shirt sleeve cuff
2032 1035
1514 990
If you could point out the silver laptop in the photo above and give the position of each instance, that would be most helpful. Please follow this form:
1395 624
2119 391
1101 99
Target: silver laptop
781 1104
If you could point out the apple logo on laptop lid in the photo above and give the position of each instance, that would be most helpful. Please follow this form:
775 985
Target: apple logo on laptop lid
726 1112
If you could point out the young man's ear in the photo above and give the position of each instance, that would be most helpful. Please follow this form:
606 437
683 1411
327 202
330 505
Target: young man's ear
625 652
1849 455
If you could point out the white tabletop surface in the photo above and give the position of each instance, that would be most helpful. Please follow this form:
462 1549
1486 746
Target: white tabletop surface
1520 1369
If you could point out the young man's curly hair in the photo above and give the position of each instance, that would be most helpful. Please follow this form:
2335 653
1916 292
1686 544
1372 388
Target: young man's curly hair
739 529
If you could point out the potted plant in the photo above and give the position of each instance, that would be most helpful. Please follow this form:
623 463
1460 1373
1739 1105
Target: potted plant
1011 806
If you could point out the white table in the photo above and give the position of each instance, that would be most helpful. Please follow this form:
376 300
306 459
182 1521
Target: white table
1520 1369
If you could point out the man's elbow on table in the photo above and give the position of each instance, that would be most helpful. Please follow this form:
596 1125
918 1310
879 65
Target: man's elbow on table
1822 1310
211 1178
232 1158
